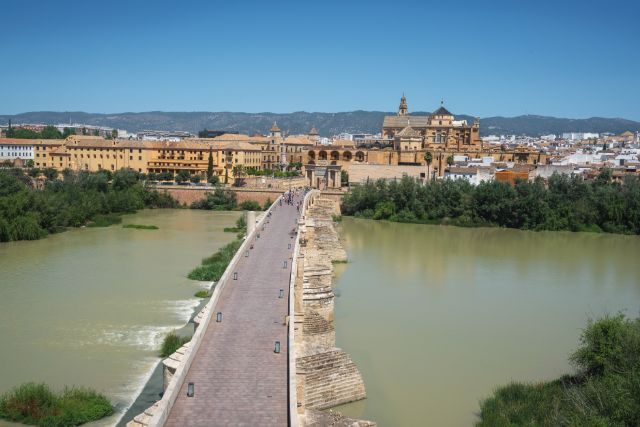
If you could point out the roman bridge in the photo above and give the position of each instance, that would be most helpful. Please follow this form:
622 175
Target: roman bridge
263 352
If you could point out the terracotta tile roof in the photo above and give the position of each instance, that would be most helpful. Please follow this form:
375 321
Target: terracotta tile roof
297 140
409 132
20 141
403 121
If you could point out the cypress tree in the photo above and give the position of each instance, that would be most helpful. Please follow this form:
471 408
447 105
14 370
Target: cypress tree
210 166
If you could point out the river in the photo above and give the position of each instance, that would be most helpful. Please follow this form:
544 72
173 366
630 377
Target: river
436 317
90 306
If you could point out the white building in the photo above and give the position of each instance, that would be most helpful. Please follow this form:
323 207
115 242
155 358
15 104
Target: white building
474 175
344 136
12 151
579 136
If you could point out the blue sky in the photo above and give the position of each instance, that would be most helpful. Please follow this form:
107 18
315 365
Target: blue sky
561 58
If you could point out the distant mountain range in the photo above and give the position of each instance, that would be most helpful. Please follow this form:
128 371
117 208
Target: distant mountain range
328 124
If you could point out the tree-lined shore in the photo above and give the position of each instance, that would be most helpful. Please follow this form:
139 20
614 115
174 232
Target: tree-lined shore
73 199
563 203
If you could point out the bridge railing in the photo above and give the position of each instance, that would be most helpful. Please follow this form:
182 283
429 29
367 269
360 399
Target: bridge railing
292 391
161 414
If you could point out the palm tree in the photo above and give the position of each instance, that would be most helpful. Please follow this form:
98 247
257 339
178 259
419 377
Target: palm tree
428 158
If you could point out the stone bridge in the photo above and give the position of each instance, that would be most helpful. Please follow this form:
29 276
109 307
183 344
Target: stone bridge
247 363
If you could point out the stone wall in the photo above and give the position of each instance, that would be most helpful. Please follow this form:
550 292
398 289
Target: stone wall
187 195
325 375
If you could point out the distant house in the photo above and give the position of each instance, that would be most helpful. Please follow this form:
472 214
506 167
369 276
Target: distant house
545 171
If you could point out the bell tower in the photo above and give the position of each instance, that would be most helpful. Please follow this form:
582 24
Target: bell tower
403 110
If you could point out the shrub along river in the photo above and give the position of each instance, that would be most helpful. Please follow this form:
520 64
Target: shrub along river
436 317
90 306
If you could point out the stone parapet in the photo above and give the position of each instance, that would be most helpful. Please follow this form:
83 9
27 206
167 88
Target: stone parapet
325 375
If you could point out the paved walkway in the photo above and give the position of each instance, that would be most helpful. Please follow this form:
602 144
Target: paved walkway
239 379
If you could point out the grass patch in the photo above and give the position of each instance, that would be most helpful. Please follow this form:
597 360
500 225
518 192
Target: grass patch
172 341
37 404
202 294
232 229
241 226
213 267
105 220
140 226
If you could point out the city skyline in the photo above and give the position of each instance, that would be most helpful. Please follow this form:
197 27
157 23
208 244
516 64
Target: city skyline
254 57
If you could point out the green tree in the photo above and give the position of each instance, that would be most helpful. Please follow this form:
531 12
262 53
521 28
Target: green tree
182 176
344 178
214 180
194 178
50 132
33 172
210 164
68 132
450 161
114 133
124 179
50 173
25 134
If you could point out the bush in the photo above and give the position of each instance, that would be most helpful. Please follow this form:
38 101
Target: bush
250 205
218 200
267 204
608 346
32 403
213 267
603 393
172 341
202 294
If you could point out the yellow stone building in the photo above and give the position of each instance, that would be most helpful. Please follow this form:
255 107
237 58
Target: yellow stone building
91 153
411 137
